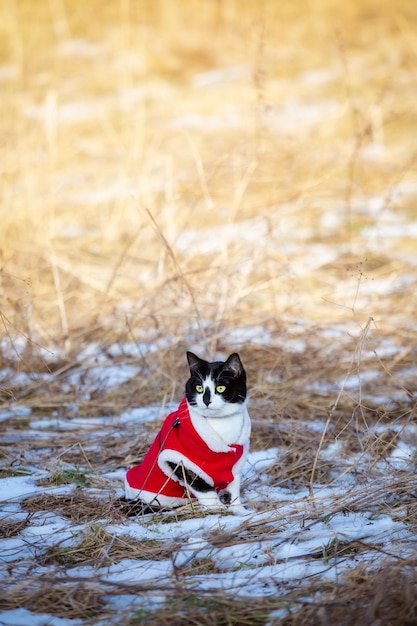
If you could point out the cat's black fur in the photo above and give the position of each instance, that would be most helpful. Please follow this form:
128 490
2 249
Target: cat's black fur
190 478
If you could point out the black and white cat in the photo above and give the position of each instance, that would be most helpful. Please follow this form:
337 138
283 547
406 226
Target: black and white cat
201 448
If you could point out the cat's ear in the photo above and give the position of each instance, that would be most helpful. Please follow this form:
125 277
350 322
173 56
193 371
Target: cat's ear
234 365
194 361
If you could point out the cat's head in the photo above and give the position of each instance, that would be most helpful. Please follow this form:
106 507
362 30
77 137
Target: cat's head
216 389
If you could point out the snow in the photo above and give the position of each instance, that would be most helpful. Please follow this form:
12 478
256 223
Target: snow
106 376
131 571
403 456
15 411
140 415
133 416
22 617
220 76
281 536
291 545
15 488
206 123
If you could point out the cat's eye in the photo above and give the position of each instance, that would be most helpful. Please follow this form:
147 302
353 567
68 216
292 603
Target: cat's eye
220 388
199 388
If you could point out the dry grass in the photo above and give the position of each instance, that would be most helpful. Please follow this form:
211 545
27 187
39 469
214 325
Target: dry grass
385 596
78 507
103 171
176 172
100 549
211 610
11 528
83 601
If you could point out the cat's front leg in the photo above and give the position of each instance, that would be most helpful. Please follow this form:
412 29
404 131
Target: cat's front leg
205 494
225 497
208 499
220 500
231 498
234 490
196 485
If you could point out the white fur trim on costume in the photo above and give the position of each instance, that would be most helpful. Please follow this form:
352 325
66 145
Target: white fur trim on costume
152 498
173 456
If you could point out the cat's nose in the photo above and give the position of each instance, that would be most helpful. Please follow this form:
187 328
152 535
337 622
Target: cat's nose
207 397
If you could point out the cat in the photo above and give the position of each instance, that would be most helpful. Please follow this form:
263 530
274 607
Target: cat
201 447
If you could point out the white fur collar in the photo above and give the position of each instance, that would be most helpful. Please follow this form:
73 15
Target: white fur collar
222 432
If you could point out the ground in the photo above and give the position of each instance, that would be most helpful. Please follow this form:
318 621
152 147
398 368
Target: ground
218 177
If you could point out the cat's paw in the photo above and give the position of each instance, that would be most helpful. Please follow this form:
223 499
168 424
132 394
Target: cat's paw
225 497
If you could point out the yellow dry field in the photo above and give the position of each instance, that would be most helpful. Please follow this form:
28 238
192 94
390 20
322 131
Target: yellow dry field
184 168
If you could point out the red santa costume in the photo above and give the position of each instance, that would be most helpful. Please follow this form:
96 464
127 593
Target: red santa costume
178 442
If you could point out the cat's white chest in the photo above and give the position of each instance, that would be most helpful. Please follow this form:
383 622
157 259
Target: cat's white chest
224 430
228 428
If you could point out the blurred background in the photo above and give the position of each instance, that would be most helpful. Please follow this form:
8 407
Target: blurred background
204 174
